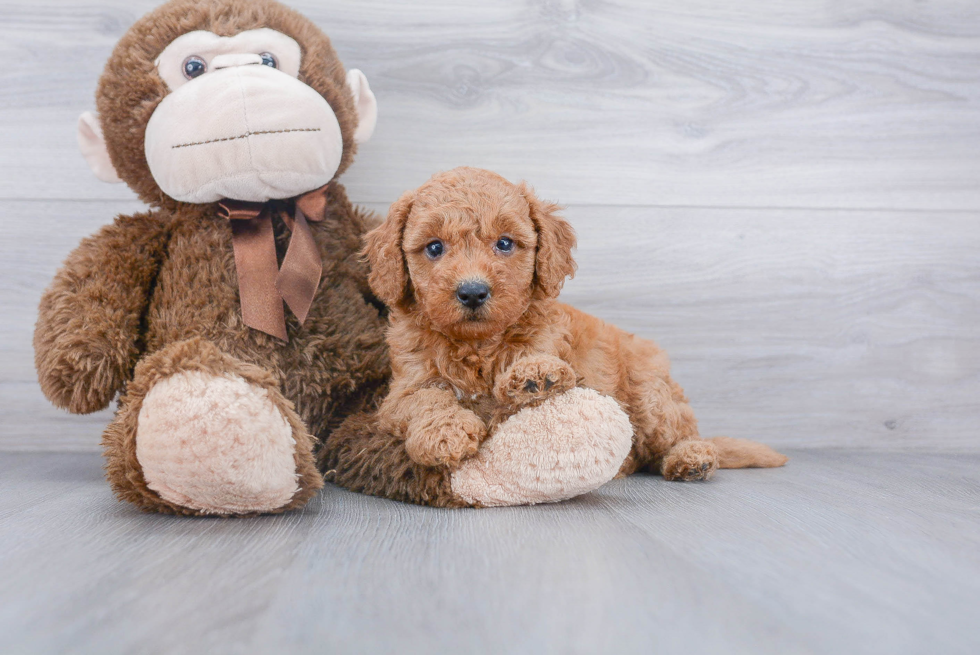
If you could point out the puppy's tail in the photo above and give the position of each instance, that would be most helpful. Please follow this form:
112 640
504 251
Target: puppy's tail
743 454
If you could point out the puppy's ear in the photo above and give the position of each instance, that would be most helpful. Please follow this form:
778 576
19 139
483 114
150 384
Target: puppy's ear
556 238
383 250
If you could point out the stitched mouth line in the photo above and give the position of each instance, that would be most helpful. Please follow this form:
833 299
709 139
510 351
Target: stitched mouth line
245 136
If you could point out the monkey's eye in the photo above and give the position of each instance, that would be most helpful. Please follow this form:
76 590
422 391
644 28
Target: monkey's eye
434 250
194 66
269 59
504 245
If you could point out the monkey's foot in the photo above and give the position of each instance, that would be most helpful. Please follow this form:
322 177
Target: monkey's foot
567 446
216 444
199 432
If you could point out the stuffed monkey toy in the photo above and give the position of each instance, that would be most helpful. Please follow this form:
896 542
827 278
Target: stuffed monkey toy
234 317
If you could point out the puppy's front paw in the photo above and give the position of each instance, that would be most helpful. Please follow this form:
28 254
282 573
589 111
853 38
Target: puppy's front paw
533 379
690 460
444 438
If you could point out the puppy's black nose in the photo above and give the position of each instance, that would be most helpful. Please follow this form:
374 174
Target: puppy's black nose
472 294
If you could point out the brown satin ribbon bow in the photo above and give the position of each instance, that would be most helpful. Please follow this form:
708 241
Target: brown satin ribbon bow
262 285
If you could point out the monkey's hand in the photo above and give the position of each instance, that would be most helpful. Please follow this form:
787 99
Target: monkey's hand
530 380
88 337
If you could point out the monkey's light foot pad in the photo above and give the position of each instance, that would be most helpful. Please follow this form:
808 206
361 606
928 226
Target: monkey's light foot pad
838 552
588 437
216 444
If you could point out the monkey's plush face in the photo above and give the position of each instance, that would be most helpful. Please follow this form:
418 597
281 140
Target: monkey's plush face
237 122
255 113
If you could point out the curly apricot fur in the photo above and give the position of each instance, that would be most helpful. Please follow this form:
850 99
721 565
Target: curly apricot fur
521 345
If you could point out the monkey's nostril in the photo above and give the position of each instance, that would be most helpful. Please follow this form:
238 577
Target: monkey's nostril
472 294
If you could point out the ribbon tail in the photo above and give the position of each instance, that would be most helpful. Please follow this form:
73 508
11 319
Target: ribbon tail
301 269
255 261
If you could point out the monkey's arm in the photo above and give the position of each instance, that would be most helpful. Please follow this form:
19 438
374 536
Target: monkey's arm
367 219
88 333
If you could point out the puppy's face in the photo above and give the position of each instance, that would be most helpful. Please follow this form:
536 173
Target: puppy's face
470 258
471 251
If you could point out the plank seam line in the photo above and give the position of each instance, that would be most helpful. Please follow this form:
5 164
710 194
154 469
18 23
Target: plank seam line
893 210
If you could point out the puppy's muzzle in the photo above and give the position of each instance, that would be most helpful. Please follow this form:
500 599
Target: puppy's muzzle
472 293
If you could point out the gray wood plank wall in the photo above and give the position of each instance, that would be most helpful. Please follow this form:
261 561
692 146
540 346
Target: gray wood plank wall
784 195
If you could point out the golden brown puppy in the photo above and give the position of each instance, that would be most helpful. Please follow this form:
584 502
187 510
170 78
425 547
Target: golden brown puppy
470 266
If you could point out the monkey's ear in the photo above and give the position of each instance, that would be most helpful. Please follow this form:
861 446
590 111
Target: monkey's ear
556 238
366 103
383 249
92 144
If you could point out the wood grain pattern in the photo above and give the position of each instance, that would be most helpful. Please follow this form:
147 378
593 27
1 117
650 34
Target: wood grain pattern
839 552
783 195
868 104
798 328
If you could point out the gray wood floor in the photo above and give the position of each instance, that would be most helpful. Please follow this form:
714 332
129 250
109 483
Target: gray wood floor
839 552
785 195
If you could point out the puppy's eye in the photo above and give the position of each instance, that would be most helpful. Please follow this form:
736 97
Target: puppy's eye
504 245
269 59
194 66
434 249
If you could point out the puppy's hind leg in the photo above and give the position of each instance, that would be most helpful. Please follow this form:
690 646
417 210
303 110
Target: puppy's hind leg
667 439
666 433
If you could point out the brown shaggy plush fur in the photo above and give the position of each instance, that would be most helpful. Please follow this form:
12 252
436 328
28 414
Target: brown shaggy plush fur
157 293
459 371
361 456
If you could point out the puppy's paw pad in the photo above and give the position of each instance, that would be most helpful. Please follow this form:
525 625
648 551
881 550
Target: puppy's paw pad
534 379
693 473
690 461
